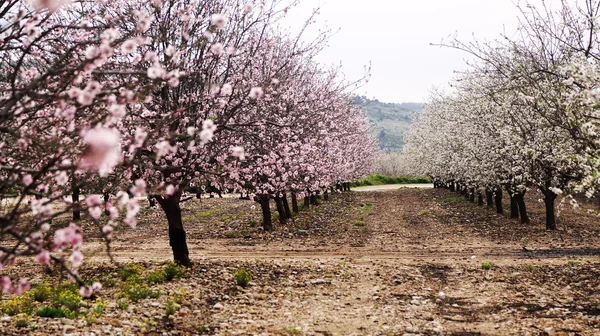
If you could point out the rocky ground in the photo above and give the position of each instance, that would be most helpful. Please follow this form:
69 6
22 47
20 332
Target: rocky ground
410 261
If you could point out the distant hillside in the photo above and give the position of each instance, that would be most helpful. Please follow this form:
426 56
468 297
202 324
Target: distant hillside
390 121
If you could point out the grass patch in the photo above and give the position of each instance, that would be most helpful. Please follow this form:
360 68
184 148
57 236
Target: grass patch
377 179
208 213
487 265
243 276
454 199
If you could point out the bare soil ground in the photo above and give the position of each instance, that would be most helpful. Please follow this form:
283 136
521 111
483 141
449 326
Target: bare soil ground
401 262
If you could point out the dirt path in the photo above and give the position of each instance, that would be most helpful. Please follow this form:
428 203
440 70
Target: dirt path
394 262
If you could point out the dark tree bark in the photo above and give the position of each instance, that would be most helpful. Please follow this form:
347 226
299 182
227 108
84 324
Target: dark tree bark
199 195
106 197
514 206
151 201
472 195
306 202
326 195
520 197
465 191
286 207
295 203
452 186
177 236
263 200
313 199
479 197
549 198
76 205
280 209
489 197
498 199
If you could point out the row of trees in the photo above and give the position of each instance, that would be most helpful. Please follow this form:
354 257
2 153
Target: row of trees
150 98
525 115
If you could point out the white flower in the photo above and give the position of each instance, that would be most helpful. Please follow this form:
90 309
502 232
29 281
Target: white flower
218 20
256 93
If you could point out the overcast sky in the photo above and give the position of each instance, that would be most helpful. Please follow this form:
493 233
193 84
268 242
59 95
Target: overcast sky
395 36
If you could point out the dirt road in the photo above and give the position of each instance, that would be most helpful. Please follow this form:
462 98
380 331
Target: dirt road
397 262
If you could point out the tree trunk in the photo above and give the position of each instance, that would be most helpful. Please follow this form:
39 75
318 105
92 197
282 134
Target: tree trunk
177 236
295 203
106 197
452 186
286 207
489 197
76 205
281 211
498 199
326 195
313 199
151 201
514 206
479 197
263 200
306 202
549 197
465 191
520 197
472 195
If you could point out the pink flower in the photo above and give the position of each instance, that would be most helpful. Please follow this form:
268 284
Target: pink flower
217 49
6 285
218 20
117 111
156 71
103 150
129 46
43 258
95 212
256 92
27 180
238 152
170 51
62 178
92 52
22 287
86 291
107 230
93 200
85 98
140 137
170 190
76 259
226 90
248 8
96 286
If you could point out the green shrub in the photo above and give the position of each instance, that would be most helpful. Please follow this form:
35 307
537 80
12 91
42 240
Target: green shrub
156 277
171 308
174 270
135 291
22 321
41 293
243 277
122 303
17 305
48 311
487 265
129 270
